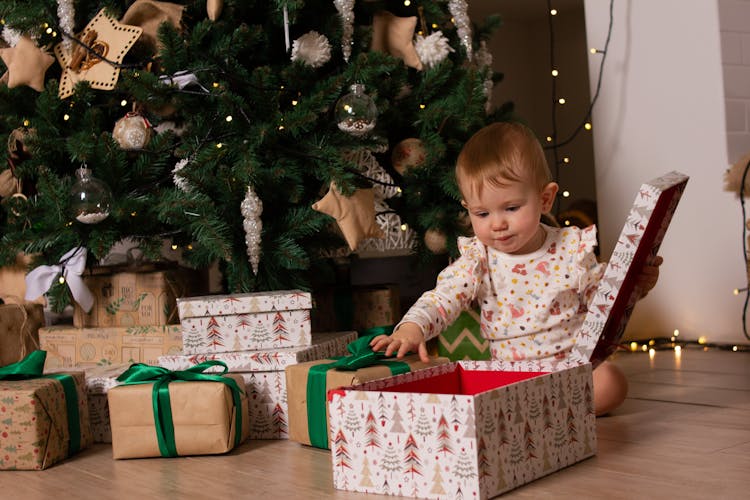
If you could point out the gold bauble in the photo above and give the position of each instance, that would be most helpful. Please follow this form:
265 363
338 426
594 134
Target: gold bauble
436 241
407 154
132 131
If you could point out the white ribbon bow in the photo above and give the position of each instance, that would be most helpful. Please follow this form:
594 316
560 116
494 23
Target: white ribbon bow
182 79
71 267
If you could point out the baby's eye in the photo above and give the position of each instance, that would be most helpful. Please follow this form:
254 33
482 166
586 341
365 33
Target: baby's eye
512 208
481 215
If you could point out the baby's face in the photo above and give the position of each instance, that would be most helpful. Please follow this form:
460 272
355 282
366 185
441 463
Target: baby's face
506 218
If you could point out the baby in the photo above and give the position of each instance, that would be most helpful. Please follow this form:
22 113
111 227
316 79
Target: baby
533 282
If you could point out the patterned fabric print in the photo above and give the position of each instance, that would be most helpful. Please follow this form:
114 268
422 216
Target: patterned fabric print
531 305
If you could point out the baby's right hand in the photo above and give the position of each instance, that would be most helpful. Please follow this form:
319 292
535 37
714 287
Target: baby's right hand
407 338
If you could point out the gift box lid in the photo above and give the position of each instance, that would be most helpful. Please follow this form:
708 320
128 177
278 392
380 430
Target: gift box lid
243 303
637 245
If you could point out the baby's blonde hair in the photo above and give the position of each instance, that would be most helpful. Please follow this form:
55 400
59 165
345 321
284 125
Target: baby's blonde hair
501 153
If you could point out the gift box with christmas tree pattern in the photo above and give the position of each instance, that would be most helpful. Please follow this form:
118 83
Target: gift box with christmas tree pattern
245 322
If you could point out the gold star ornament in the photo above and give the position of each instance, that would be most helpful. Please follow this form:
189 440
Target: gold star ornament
394 35
26 64
355 214
105 44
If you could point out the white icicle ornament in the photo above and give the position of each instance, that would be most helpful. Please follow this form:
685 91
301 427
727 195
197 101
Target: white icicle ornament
251 208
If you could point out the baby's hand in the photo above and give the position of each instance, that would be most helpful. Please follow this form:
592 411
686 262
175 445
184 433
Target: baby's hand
407 338
650 275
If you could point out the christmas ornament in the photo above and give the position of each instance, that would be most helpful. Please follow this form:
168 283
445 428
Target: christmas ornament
9 183
397 239
393 35
251 208
484 62
11 36
132 131
312 48
458 9
432 49
17 149
149 15
179 181
355 112
383 184
104 38
407 154
436 241
90 198
346 11
71 267
27 64
355 214
67 16
214 8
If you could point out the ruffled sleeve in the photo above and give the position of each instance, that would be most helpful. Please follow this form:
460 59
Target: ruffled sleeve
590 269
456 288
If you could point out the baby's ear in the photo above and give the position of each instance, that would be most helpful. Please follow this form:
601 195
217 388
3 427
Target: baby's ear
463 204
548 196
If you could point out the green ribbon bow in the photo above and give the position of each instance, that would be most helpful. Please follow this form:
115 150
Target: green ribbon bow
32 367
140 373
361 356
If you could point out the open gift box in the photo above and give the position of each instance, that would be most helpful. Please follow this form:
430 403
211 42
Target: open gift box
476 429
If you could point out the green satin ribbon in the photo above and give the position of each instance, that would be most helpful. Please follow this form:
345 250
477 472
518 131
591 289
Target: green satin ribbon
140 373
32 367
361 356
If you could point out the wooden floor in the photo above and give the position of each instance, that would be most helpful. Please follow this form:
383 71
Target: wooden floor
684 432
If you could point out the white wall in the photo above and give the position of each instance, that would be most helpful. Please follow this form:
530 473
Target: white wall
734 24
661 108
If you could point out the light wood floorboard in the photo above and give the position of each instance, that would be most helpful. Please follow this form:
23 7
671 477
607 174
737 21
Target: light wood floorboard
683 432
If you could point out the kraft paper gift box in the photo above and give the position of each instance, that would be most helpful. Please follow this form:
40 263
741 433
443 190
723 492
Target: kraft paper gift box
19 330
264 378
307 384
476 429
44 417
203 417
245 322
68 346
144 295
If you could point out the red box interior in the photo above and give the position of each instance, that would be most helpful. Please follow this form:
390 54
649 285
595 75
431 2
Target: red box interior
463 382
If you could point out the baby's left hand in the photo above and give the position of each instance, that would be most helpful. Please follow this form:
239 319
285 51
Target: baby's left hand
650 275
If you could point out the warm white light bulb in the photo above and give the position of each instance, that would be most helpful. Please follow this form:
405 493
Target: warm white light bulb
66 117
702 339
735 348
123 103
634 346
565 194
549 138
555 72
404 227
587 126
593 50
553 12
61 280
651 353
174 247
228 118
561 100
676 332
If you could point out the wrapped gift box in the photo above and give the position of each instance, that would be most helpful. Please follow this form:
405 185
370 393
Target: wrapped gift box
463 339
263 374
34 428
479 428
146 296
19 330
99 380
203 417
307 420
245 322
68 346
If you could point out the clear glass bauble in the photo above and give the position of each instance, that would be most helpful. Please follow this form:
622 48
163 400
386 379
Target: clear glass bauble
90 198
356 112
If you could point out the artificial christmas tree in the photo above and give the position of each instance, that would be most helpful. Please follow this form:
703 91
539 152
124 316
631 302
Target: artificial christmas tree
235 103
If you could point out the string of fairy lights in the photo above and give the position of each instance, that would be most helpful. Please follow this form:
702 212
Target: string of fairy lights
555 145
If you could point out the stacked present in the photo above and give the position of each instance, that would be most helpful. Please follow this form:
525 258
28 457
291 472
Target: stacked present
256 335
132 320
